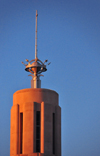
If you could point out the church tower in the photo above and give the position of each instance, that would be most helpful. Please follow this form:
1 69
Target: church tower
35 116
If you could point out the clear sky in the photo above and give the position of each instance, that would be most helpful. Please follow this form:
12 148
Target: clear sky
69 37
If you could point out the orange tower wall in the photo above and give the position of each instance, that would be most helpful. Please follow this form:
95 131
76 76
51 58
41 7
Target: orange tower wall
23 131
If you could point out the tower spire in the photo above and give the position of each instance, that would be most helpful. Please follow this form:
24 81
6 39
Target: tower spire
36 37
35 66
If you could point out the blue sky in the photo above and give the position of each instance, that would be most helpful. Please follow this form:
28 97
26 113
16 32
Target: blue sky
69 37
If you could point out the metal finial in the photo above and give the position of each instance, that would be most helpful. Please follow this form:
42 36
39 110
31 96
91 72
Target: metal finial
35 66
36 37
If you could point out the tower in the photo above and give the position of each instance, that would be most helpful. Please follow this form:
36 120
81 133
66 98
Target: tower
35 116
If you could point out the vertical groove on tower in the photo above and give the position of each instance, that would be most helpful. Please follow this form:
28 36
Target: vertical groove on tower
53 133
42 127
21 133
38 131
34 127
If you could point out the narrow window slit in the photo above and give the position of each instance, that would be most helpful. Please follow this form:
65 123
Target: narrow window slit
21 132
53 133
38 131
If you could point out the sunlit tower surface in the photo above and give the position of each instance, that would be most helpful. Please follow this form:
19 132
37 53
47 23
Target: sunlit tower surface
35 115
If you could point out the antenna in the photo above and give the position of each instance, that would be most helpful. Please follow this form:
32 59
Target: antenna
36 37
35 66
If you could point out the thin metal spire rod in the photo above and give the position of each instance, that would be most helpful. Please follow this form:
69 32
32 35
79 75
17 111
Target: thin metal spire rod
36 37
35 66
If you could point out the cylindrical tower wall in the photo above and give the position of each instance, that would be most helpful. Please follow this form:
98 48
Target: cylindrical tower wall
27 105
